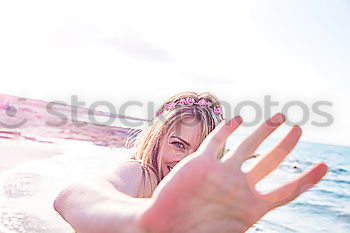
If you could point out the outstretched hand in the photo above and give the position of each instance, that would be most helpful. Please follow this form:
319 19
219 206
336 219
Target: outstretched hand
204 194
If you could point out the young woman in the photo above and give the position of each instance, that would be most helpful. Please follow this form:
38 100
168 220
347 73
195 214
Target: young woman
181 179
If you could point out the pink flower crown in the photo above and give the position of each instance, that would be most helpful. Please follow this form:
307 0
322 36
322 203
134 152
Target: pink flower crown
190 101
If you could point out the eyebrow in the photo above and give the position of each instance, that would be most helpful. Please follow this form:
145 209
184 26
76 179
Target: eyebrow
188 144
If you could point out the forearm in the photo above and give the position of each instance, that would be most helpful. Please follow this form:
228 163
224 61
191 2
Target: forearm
98 207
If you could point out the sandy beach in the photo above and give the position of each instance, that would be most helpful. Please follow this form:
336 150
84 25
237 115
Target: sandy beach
32 173
18 151
37 160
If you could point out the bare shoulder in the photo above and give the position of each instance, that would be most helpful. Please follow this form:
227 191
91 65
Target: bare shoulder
132 179
126 177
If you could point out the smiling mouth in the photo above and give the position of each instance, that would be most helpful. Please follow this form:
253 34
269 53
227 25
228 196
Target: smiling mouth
169 168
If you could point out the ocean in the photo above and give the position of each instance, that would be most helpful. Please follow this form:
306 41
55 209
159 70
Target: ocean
323 208
27 191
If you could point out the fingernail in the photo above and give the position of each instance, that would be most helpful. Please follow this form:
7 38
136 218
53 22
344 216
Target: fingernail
238 119
278 118
324 166
297 127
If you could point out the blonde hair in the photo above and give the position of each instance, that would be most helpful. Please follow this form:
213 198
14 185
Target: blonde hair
147 142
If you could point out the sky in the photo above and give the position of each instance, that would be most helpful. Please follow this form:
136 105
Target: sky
117 51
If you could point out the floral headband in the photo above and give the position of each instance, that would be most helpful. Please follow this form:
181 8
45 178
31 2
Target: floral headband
190 101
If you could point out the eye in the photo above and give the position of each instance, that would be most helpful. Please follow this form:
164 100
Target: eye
179 144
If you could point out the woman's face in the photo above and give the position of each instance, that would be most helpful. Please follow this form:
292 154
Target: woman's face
181 140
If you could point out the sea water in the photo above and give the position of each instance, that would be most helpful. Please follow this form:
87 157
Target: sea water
28 190
323 208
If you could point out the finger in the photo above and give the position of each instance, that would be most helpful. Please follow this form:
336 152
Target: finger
250 144
293 189
215 141
227 155
270 161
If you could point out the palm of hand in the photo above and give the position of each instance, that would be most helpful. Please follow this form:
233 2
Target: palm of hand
204 194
